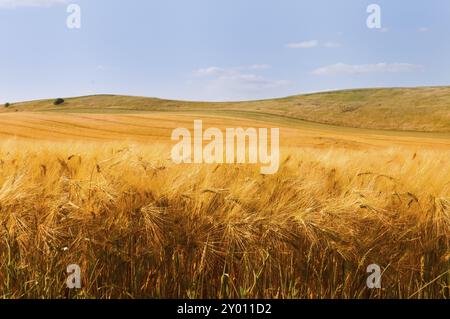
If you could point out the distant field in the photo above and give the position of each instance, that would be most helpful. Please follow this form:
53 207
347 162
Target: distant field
407 109
158 127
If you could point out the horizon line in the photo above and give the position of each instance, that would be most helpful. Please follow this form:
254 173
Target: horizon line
234 101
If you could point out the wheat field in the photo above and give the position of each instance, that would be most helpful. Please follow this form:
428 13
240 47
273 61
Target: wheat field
106 196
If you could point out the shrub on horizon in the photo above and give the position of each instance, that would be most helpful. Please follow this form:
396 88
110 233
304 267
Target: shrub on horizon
58 101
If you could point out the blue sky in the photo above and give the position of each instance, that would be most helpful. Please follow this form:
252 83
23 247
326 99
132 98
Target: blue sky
219 49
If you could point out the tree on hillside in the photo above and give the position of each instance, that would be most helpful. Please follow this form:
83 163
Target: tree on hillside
58 101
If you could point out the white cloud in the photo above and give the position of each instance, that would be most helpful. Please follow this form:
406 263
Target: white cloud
246 82
312 44
29 3
260 66
238 82
423 29
303 45
331 44
212 70
216 71
342 68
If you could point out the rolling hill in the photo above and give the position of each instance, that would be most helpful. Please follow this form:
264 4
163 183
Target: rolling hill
424 109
